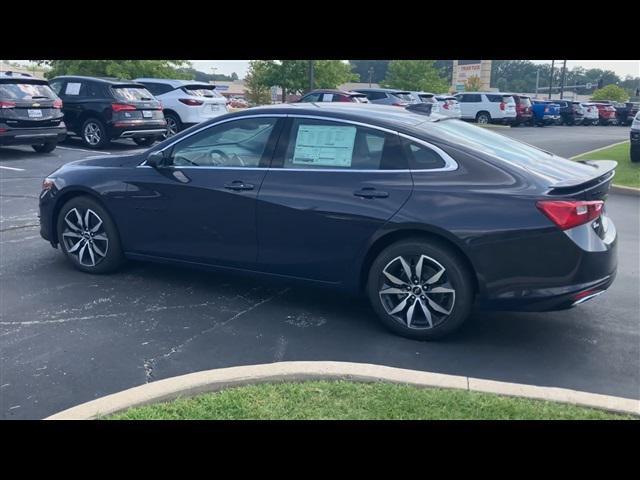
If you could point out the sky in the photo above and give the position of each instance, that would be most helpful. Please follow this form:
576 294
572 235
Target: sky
620 67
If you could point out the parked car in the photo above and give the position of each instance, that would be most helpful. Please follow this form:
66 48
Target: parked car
606 113
488 107
524 115
625 112
30 113
332 95
425 97
237 102
185 102
544 112
449 106
426 218
571 112
634 136
591 115
388 96
99 110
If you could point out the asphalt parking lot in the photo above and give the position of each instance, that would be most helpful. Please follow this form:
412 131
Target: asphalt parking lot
68 337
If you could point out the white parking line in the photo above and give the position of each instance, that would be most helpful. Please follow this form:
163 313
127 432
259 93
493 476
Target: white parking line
83 150
13 168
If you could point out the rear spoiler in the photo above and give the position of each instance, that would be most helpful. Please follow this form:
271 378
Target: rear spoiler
603 173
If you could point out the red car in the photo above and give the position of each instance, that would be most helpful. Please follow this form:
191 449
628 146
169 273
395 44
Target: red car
524 114
607 114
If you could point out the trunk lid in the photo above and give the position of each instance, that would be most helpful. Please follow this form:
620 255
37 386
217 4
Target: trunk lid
28 103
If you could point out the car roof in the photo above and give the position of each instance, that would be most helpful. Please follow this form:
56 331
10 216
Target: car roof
334 90
381 115
386 90
107 80
174 82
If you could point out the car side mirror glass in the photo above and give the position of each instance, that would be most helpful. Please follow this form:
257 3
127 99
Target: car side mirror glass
156 159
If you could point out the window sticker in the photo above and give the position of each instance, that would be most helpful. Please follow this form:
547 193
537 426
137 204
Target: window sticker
325 146
73 89
328 97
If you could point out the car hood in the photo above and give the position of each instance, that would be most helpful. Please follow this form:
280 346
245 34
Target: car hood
108 161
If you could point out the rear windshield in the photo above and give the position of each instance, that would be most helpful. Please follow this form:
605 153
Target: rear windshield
201 91
406 96
486 141
25 91
132 93
427 98
526 101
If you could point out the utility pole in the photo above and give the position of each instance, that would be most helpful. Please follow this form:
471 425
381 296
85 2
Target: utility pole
564 70
370 75
551 78
537 81
311 73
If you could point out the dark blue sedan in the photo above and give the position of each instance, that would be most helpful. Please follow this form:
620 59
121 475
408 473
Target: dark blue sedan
426 215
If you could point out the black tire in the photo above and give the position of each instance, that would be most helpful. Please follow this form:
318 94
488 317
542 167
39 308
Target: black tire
483 118
94 133
145 141
45 148
172 119
635 154
81 259
456 277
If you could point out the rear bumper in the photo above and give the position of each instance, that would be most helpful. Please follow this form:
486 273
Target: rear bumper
32 136
137 129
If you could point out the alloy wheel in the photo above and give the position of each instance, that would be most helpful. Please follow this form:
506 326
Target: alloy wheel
92 133
172 127
84 237
416 292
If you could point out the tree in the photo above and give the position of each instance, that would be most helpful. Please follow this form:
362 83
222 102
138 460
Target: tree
421 75
258 92
117 68
611 92
472 84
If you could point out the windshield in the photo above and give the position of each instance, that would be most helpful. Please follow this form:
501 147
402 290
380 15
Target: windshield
486 141
25 91
132 93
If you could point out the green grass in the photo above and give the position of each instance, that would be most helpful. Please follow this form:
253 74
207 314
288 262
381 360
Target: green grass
343 400
627 173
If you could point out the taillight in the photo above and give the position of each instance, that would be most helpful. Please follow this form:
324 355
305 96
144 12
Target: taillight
570 213
7 104
119 107
191 102
57 103
503 106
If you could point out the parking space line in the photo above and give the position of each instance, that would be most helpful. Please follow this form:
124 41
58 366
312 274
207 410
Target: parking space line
12 168
82 150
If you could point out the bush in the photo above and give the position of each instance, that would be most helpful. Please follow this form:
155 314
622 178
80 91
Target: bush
611 92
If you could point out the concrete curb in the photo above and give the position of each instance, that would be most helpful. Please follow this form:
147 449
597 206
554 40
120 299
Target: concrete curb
219 379
598 149
620 190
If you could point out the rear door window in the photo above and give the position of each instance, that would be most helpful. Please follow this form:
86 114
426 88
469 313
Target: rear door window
321 144
375 95
312 97
470 98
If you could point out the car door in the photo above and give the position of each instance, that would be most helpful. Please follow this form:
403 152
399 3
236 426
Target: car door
73 94
469 104
332 185
200 205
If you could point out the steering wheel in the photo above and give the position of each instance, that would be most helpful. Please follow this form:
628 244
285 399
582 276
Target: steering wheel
185 159
222 154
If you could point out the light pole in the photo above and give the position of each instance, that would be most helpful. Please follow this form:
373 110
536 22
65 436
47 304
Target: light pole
370 75
551 78
564 71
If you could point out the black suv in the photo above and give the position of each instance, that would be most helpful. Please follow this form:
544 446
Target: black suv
99 110
30 113
625 112
571 113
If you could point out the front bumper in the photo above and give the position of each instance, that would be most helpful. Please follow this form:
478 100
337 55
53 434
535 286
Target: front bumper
32 136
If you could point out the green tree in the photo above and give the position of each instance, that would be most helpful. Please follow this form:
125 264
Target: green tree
258 92
611 92
421 75
117 68
472 84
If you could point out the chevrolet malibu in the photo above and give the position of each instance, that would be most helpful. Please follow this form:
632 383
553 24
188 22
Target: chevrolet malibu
426 215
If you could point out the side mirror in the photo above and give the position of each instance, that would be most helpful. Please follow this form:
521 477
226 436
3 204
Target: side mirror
156 159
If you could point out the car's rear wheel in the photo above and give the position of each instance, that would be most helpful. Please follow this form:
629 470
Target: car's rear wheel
420 289
635 154
145 141
483 118
174 125
45 148
88 236
94 133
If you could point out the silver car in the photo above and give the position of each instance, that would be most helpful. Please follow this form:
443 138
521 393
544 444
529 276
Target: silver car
388 96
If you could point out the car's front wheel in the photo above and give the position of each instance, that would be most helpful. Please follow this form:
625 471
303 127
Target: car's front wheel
88 236
420 289
45 147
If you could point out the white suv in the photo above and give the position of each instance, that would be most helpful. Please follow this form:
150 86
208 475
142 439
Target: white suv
185 102
487 107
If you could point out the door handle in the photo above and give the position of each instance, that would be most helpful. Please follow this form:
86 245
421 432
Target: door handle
370 192
238 185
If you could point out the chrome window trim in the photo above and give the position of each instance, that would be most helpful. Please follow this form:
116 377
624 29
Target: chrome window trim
450 163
